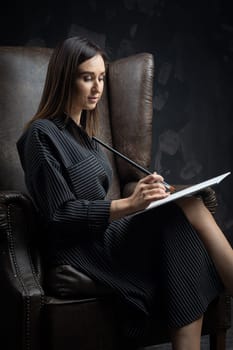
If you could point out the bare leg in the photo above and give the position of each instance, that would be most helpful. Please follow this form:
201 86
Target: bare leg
197 213
212 236
187 337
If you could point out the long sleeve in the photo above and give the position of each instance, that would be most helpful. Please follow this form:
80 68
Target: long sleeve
50 185
58 204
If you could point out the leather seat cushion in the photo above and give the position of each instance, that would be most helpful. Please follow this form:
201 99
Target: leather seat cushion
65 281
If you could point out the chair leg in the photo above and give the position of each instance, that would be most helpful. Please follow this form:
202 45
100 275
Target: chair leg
218 340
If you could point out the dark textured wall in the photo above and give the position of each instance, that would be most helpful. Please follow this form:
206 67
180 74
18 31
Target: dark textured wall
192 43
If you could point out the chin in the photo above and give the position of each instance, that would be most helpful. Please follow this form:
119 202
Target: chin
90 108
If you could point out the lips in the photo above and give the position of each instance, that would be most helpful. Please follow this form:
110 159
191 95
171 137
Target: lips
93 99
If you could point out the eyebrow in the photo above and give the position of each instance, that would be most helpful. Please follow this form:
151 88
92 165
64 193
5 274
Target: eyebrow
88 72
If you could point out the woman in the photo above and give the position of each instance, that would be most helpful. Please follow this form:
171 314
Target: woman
168 274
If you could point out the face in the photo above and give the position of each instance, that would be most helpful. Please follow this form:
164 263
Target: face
89 84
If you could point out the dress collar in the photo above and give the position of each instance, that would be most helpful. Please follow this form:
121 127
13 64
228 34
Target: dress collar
64 121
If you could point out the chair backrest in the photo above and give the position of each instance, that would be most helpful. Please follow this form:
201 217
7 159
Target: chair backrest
125 111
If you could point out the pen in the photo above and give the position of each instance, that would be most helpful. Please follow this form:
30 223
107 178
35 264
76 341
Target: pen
169 187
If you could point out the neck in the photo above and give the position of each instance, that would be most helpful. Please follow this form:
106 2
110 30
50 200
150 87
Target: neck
76 120
75 117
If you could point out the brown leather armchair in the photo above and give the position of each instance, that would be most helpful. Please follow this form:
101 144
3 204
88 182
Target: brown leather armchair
32 317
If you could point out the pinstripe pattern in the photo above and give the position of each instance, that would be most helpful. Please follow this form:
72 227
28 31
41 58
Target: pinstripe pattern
165 267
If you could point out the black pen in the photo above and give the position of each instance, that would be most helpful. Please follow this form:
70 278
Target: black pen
168 187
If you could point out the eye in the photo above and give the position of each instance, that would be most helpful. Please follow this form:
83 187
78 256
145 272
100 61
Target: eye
102 78
87 77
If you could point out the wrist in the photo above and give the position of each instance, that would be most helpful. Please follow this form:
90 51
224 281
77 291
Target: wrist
120 208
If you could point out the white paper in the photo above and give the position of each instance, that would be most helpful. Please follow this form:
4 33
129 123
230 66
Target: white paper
189 190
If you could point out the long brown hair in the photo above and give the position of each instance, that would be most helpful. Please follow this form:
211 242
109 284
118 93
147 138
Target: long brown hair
59 83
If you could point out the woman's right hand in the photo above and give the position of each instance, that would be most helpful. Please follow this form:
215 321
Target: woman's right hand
147 190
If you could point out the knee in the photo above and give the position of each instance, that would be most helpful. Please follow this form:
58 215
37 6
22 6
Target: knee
193 208
191 203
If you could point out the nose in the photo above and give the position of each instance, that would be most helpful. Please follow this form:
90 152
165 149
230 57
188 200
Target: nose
96 85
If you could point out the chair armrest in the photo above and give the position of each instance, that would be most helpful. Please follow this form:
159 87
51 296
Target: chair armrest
21 295
210 199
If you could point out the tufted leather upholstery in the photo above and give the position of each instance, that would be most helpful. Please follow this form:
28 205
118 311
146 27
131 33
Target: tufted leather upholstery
34 317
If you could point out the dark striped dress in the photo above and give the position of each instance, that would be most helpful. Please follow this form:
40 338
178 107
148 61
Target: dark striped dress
154 262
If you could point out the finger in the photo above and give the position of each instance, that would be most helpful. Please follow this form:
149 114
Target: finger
154 185
155 193
152 178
